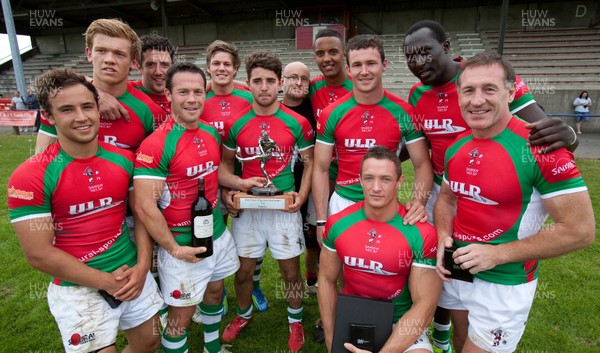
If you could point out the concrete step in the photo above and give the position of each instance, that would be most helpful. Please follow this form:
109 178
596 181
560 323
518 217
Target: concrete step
545 51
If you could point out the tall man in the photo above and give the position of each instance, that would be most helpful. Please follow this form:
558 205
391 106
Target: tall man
254 228
112 47
296 78
334 82
67 206
502 252
367 117
437 114
224 100
374 230
157 56
167 167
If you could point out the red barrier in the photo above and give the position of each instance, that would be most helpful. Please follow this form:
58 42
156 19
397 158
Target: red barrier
17 117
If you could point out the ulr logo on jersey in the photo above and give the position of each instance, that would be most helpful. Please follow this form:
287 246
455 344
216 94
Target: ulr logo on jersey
472 192
441 126
200 168
113 141
90 205
219 125
368 143
362 265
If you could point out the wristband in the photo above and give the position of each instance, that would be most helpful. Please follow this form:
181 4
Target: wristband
574 136
321 223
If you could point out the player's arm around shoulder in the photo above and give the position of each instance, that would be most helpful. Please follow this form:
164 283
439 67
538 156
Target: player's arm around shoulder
551 132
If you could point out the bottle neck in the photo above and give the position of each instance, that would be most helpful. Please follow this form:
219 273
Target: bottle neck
200 187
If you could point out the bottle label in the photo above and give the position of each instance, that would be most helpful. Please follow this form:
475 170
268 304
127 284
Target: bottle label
203 226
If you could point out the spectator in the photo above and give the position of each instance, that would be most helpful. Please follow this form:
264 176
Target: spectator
32 103
17 103
582 106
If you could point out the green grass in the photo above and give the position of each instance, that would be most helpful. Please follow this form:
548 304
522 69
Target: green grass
563 318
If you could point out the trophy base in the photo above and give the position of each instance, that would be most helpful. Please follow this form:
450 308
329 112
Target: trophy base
264 191
244 201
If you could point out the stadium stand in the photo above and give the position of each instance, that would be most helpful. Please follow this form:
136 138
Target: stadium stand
561 58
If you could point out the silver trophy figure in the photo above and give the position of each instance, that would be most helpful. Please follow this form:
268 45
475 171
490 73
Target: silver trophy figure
266 146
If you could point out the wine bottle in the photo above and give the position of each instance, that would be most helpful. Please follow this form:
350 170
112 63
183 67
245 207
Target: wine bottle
202 222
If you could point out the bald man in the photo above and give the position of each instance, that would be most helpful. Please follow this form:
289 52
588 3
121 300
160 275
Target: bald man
296 79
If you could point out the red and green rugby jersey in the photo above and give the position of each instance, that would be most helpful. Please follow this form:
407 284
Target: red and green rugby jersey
128 135
321 95
500 184
86 199
179 156
352 128
522 97
437 114
159 99
287 128
380 253
218 108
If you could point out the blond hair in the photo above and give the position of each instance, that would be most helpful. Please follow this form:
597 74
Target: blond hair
115 28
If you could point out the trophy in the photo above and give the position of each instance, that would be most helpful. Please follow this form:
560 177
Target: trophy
265 197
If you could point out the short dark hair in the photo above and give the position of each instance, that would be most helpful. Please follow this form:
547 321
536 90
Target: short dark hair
264 60
381 152
51 82
183 67
153 41
439 33
487 59
365 41
225 47
327 32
